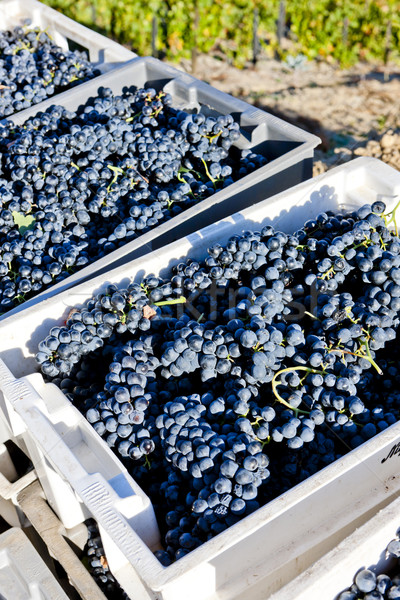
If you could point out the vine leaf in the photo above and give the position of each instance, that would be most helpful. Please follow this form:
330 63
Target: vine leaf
23 222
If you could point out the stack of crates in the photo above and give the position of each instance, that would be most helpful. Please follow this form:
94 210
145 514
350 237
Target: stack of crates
80 476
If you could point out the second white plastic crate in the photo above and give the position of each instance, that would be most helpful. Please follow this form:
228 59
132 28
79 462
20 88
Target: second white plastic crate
288 150
270 547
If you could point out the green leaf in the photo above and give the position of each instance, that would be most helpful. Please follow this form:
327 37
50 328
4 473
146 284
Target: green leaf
23 222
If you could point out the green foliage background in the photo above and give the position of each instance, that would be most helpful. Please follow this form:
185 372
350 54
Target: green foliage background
341 30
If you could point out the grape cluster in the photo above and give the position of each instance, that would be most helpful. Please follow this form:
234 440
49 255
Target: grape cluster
76 186
237 377
33 68
368 585
93 554
122 414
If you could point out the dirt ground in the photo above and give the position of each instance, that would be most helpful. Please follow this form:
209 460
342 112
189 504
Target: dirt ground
355 111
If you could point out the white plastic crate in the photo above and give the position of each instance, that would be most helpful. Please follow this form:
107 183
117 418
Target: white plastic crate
23 573
288 149
105 53
334 572
270 547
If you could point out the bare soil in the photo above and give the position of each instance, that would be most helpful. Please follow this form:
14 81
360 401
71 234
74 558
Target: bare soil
354 111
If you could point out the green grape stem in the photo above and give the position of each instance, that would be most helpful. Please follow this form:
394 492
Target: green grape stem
392 213
275 384
180 300
208 172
